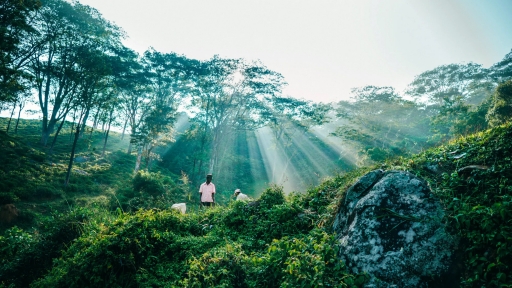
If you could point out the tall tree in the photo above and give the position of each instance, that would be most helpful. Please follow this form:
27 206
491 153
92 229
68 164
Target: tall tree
230 96
66 31
500 109
502 70
381 123
15 27
452 80
169 82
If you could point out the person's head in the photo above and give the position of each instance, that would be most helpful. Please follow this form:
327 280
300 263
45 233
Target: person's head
237 191
209 178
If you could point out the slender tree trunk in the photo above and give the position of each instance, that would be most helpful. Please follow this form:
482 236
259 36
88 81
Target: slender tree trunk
139 158
96 119
148 157
105 143
18 120
72 126
106 135
124 128
10 118
71 159
130 146
56 135
84 121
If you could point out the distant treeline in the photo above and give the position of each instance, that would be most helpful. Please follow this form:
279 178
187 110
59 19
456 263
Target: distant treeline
70 61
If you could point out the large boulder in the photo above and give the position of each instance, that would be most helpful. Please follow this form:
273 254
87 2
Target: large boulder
389 225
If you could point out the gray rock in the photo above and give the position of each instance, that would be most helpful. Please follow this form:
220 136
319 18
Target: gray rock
389 226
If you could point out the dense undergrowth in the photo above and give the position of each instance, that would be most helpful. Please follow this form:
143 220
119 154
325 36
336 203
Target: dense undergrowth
473 178
277 241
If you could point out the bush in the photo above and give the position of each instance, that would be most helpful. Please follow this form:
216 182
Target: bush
7 198
154 184
272 196
31 256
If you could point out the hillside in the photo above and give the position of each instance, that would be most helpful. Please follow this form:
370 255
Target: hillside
79 236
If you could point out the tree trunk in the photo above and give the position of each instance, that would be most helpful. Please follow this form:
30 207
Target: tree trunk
18 120
148 156
96 119
71 159
84 121
105 143
72 126
56 135
124 128
106 134
139 158
10 118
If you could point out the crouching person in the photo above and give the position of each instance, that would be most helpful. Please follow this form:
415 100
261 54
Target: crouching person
241 196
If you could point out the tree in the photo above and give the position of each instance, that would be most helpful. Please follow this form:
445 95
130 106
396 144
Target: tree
380 123
501 104
169 81
15 27
502 70
452 80
230 96
66 31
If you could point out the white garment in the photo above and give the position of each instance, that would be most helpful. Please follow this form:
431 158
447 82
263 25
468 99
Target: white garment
182 207
242 197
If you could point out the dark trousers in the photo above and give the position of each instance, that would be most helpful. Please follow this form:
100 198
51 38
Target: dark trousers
207 204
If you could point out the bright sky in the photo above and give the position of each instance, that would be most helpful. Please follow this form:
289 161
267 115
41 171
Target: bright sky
323 47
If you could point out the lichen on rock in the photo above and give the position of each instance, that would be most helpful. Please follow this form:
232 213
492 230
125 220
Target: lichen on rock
390 226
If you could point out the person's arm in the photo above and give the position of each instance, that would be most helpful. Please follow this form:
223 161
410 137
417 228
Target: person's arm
213 193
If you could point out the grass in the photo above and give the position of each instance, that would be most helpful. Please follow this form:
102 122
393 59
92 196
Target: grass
280 242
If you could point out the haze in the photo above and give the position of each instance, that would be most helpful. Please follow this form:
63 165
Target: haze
323 48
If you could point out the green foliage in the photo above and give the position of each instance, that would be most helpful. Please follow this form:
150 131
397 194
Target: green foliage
154 184
148 248
272 196
303 261
472 177
150 190
501 104
268 243
28 256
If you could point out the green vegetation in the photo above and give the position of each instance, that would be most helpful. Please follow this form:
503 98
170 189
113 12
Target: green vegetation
277 241
94 205
473 178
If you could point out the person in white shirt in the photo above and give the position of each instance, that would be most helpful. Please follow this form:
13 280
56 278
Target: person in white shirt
207 191
241 196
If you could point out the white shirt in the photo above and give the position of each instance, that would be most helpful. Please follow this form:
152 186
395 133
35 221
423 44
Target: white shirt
242 197
207 190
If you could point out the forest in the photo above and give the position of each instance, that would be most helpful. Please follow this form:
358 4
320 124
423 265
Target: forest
116 137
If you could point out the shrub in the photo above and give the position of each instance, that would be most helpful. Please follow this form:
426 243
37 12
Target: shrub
154 184
32 256
272 196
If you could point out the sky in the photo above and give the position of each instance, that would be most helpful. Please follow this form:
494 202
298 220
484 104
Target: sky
323 48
